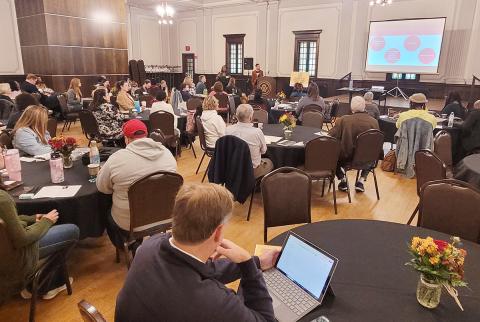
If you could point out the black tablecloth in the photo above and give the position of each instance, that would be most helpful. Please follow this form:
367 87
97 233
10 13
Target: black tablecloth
87 209
468 170
389 128
288 156
371 282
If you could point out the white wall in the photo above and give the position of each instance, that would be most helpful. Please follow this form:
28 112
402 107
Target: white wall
10 54
343 41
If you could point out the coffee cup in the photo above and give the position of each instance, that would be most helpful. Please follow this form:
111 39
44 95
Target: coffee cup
93 170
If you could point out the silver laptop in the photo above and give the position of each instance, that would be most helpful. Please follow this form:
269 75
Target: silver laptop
300 278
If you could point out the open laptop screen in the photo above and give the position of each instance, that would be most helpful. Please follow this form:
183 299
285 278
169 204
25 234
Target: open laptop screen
306 265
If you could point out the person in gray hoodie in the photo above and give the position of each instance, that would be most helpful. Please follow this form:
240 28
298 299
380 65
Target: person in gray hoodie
141 157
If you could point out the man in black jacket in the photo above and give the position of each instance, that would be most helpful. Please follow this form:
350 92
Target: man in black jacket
51 102
180 277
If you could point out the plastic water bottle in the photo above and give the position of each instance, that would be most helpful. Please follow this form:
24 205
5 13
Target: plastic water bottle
56 168
94 154
13 165
450 119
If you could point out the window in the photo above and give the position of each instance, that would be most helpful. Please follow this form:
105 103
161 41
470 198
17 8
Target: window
306 51
234 53
411 76
400 76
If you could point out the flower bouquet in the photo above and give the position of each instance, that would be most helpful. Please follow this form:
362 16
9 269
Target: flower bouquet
289 122
440 264
64 147
281 96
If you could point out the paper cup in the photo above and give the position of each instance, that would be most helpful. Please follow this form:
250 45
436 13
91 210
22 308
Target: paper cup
93 169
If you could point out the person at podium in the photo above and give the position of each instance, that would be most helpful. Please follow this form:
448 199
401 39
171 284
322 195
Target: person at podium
256 73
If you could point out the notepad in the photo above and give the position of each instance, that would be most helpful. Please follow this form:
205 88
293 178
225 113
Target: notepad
321 133
57 192
287 143
272 139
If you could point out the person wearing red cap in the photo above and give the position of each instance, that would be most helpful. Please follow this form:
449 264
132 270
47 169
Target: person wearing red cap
141 157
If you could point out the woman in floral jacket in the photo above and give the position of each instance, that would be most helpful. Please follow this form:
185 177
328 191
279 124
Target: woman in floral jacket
109 121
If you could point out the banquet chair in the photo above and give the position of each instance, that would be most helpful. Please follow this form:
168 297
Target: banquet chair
260 116
203 145
321 158
283 206
313 119
52 127
428 167
193 105
223 105
165 121
368 147
451 207
6 108
329 120
443 149
312 108
45 267
89 125
145 210
89 312
6 140
69 117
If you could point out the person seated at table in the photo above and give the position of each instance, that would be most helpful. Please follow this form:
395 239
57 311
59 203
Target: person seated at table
141 157
258 101
254 137
297 91
109 121
33 238
232 87
51 102
145 89
134 88
418 109
217 89
162 105
43 88
453 104
187 88
313 98
5 92
471 130
102 83
22 101
74 96
30 134
184 267
201 87
370 107
346 130
223 76
15 89
164 87
213 124
124 99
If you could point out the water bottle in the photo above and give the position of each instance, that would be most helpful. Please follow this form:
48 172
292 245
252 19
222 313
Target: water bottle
56 168
94 154
350 83
13 165
450 119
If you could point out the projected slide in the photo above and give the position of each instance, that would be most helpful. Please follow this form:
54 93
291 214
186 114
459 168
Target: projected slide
405 46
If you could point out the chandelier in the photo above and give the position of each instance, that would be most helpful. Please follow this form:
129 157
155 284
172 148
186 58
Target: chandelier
380 2
166 14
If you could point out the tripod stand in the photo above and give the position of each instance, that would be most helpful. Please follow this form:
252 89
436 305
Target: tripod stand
397 92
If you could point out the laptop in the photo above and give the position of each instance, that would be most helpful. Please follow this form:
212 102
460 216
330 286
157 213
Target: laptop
300 278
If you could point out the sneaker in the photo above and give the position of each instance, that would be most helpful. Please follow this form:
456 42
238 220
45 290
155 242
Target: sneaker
342 186
26 295
52 293
359 187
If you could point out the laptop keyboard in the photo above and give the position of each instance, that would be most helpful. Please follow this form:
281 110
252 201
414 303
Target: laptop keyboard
289 293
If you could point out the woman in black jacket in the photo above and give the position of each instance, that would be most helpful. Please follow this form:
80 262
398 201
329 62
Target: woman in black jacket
471 130
454 104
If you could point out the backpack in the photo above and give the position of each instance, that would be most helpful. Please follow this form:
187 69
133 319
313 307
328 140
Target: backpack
389 161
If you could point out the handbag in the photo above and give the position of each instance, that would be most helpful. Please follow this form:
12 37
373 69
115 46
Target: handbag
389 161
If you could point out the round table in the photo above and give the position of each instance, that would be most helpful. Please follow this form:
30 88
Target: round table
288 156
371 282
88 209
468 170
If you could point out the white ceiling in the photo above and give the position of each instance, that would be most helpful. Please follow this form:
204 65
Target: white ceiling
181 5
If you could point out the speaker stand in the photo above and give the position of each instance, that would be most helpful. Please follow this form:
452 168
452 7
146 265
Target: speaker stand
397 92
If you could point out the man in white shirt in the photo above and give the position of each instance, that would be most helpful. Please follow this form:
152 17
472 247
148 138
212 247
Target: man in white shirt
142 156
254 137
162 105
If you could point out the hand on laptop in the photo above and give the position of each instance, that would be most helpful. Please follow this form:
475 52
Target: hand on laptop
268 259
233 252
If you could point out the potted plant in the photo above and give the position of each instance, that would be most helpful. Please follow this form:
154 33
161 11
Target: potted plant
441 265
64 147
289 122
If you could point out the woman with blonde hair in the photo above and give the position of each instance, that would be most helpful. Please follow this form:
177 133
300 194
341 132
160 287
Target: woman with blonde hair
30 133
6 92
74 95
213 124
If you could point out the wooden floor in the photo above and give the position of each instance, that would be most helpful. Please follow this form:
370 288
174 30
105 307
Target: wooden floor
97 278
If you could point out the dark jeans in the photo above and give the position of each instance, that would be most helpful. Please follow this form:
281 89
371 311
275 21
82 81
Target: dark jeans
341 173
117 235
57 238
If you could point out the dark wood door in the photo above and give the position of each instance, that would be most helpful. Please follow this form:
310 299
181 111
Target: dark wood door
188 64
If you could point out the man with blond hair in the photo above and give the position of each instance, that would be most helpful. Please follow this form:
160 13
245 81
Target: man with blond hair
254 137
180 277
370 107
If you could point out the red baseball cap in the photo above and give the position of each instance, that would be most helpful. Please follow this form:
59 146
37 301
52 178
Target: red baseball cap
135 129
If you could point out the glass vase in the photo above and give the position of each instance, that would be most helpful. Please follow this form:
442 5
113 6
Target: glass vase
287 133
428 292
67 161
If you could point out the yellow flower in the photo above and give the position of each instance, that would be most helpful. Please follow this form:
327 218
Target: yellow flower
434 260
431 249
416 242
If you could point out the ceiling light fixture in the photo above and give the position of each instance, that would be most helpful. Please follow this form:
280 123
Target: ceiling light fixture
380 2
166 13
